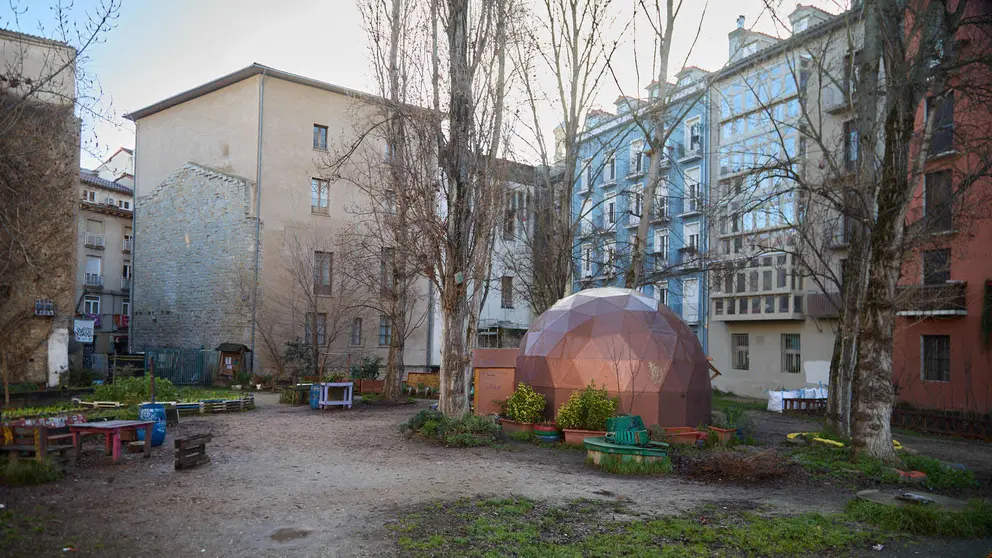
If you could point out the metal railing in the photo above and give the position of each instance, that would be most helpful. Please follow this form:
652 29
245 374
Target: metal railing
947 299
94 240
125 283
127 245
93 280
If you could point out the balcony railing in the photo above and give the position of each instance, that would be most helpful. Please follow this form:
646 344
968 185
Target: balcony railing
127 245
94 240
823 305
947 299
835 100
693 204
125 283
684 152
93 280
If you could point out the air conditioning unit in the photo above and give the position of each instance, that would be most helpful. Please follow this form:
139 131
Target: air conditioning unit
108 201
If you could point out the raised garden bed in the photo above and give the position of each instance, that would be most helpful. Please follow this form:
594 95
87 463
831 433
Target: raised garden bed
953 423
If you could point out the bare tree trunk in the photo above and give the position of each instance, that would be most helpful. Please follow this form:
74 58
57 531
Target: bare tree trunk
455 367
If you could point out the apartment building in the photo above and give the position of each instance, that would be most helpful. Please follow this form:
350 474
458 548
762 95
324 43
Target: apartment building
609 200
780 121
944 306
103 269
507 313
237 221
39 154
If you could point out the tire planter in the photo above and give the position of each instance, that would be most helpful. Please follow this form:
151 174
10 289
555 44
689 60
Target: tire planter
577 437
547 433
725 434
510 426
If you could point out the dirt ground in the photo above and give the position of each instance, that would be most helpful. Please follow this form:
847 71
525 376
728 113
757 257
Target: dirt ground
288 481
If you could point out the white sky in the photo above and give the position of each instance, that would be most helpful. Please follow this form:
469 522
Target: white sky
162 47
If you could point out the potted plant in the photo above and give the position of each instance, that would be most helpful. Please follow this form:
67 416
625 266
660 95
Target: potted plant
584 414
522 409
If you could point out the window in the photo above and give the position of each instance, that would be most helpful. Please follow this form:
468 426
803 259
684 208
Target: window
850 145
942 135
792 361
322 264
691 232
609 256
506 292
766 280
797 304
91 304
385 331
741 287
753 280
94 271
510 217
356 331
694 200
126 307
783 303
94 226
781 278
611 210
587 260
936 267
320 137
937 202
731 306
315 329
124 204
694 136
936 358
661 293
89 196
387 258
718 308
128 243
769 305
637 157
319 195
740 356
389 202
690 300
756 305
661 245
636 203
728 283
611 168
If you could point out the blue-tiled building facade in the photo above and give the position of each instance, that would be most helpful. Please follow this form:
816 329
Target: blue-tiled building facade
609 198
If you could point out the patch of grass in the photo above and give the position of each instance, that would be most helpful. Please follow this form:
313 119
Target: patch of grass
940 475
722 402
974 522
522 436
837 463
467 431
522 527
18 527
25 472
617 465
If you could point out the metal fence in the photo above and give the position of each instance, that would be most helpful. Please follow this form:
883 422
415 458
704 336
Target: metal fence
183 367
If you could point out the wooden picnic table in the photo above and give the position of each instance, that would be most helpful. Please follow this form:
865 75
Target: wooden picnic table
111 430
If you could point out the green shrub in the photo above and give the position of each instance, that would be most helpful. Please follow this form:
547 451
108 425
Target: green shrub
371 398
467 431
522 436
368 369
975 521
587 409
525 405
131 391
79 377
26 473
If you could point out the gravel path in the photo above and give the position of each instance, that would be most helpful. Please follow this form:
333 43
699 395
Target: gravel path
288 481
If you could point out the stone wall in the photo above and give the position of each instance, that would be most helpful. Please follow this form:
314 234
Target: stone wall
194 261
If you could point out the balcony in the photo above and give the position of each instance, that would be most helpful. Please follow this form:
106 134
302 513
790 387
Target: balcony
685 154
834 100
823 305
633 220
692 204
94 280
94 240
764 311
660 212
125 283
947 299
127 245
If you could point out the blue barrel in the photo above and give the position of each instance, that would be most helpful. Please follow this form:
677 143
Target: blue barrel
155 412
315 396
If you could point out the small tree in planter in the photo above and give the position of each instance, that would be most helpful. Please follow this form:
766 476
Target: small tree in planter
584 414
523 409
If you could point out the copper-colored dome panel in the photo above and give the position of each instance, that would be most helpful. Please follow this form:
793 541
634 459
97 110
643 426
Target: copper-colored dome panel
626 341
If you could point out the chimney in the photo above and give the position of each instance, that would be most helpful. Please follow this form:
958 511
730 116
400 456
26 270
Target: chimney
740 22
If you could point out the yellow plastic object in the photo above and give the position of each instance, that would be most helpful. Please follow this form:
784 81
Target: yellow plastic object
827 442
896 445
795 435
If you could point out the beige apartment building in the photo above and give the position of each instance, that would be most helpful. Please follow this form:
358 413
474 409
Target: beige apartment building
37 252
103 270
781 127
238 223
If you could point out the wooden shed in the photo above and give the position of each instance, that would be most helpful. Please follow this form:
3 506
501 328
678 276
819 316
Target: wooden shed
232 360
493 371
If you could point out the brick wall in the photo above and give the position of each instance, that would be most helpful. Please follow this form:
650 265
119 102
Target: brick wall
194 261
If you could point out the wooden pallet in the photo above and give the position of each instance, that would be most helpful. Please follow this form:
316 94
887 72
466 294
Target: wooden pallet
186 409
98 404
192 451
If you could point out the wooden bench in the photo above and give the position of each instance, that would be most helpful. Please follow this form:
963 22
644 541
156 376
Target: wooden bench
192 451
38 441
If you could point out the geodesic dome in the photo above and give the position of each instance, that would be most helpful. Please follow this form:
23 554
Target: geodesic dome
626 341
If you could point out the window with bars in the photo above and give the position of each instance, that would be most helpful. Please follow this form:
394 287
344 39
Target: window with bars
319 196
936 267
740 353
792 361
385 331
320 137
506 292
356 331
315 330
323 262
936 358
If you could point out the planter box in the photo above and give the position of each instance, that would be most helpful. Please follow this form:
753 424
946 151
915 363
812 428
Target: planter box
685 437
576 437
725 434
370 386
510 426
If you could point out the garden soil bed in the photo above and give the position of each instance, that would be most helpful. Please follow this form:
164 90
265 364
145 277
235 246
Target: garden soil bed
285 480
